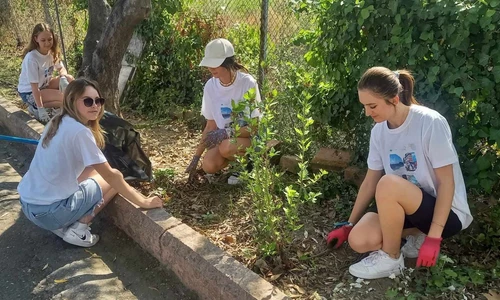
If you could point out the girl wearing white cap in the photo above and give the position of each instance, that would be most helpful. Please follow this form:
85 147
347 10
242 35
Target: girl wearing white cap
230 81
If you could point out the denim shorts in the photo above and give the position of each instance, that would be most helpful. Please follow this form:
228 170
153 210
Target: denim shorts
63 213
28 98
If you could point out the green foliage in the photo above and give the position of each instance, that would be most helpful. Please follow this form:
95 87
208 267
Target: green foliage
276 204
446 277
484 233
450 46
263 176
167 73
246 41
163 179
334 188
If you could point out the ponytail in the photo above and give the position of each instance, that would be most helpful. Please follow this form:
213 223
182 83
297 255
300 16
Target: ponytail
387 84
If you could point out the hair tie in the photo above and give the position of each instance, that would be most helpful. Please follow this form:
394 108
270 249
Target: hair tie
397 74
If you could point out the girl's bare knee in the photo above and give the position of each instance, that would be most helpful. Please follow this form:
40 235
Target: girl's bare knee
210 167
363 242
385 187
225 149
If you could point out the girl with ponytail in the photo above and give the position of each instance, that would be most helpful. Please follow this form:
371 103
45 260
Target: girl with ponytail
414 176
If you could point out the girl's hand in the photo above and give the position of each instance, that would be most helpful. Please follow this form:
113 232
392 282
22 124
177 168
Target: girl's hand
191 169
152 202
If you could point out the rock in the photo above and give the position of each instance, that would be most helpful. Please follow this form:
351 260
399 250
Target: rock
331 159
290 163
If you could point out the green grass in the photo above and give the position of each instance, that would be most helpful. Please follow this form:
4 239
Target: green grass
10 66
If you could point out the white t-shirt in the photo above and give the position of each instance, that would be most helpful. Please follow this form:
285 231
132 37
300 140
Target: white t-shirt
36 68
216 103
54 170
417 147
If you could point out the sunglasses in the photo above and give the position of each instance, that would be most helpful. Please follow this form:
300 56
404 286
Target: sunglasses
89 102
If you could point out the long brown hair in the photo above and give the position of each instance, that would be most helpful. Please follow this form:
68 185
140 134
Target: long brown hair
41 27
73 92
231 64
388 84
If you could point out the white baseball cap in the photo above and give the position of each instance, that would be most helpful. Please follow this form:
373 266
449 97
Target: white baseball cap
216 52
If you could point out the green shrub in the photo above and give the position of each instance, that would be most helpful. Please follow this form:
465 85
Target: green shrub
450 46
167 74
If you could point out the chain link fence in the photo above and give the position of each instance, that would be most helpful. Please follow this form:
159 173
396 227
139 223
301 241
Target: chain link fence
277 18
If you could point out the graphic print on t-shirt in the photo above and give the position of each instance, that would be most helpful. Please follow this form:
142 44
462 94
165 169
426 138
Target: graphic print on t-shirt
226 112
404 163
48 75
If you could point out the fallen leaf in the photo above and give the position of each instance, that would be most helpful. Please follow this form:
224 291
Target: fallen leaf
297 288
60 280
274 277
229 239
92 254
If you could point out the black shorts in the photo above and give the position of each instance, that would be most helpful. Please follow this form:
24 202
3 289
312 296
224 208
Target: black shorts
422 218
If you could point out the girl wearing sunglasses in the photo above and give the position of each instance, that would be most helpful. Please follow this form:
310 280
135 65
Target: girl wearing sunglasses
69 179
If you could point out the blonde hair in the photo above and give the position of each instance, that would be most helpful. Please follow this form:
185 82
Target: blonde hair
388 84
73 92
55 50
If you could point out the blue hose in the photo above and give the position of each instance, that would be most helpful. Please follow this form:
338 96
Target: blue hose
18 140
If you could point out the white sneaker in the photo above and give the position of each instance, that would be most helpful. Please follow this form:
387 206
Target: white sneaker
377 265
234 179
79 234
412 245
59 232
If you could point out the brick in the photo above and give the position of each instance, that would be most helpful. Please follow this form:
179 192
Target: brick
354 175
144 226
290 163
209 271
331 159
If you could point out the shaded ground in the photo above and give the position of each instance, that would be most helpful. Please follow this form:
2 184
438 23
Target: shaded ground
37 264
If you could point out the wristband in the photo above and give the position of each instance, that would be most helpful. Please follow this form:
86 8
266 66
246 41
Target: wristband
340 224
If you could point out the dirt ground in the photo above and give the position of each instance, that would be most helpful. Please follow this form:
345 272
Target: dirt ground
221 212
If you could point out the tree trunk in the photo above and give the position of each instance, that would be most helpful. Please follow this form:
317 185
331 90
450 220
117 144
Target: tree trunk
107 58
99 11
8 18
46 11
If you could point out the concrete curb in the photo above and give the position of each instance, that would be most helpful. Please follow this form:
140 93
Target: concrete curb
199 264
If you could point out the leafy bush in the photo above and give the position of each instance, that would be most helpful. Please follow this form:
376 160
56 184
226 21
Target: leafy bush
450 46
167 73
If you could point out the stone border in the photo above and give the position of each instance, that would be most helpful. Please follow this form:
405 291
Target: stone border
199 264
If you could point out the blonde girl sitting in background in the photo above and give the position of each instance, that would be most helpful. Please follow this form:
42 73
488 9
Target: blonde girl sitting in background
37 86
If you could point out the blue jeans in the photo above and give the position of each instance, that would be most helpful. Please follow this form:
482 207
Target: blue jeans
63 213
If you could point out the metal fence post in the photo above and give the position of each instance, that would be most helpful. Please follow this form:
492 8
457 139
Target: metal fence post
264 18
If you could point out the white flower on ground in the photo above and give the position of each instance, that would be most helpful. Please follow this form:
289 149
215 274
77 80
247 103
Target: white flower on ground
392 276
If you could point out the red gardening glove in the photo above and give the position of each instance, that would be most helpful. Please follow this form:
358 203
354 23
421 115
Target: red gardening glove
429 252
338 236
